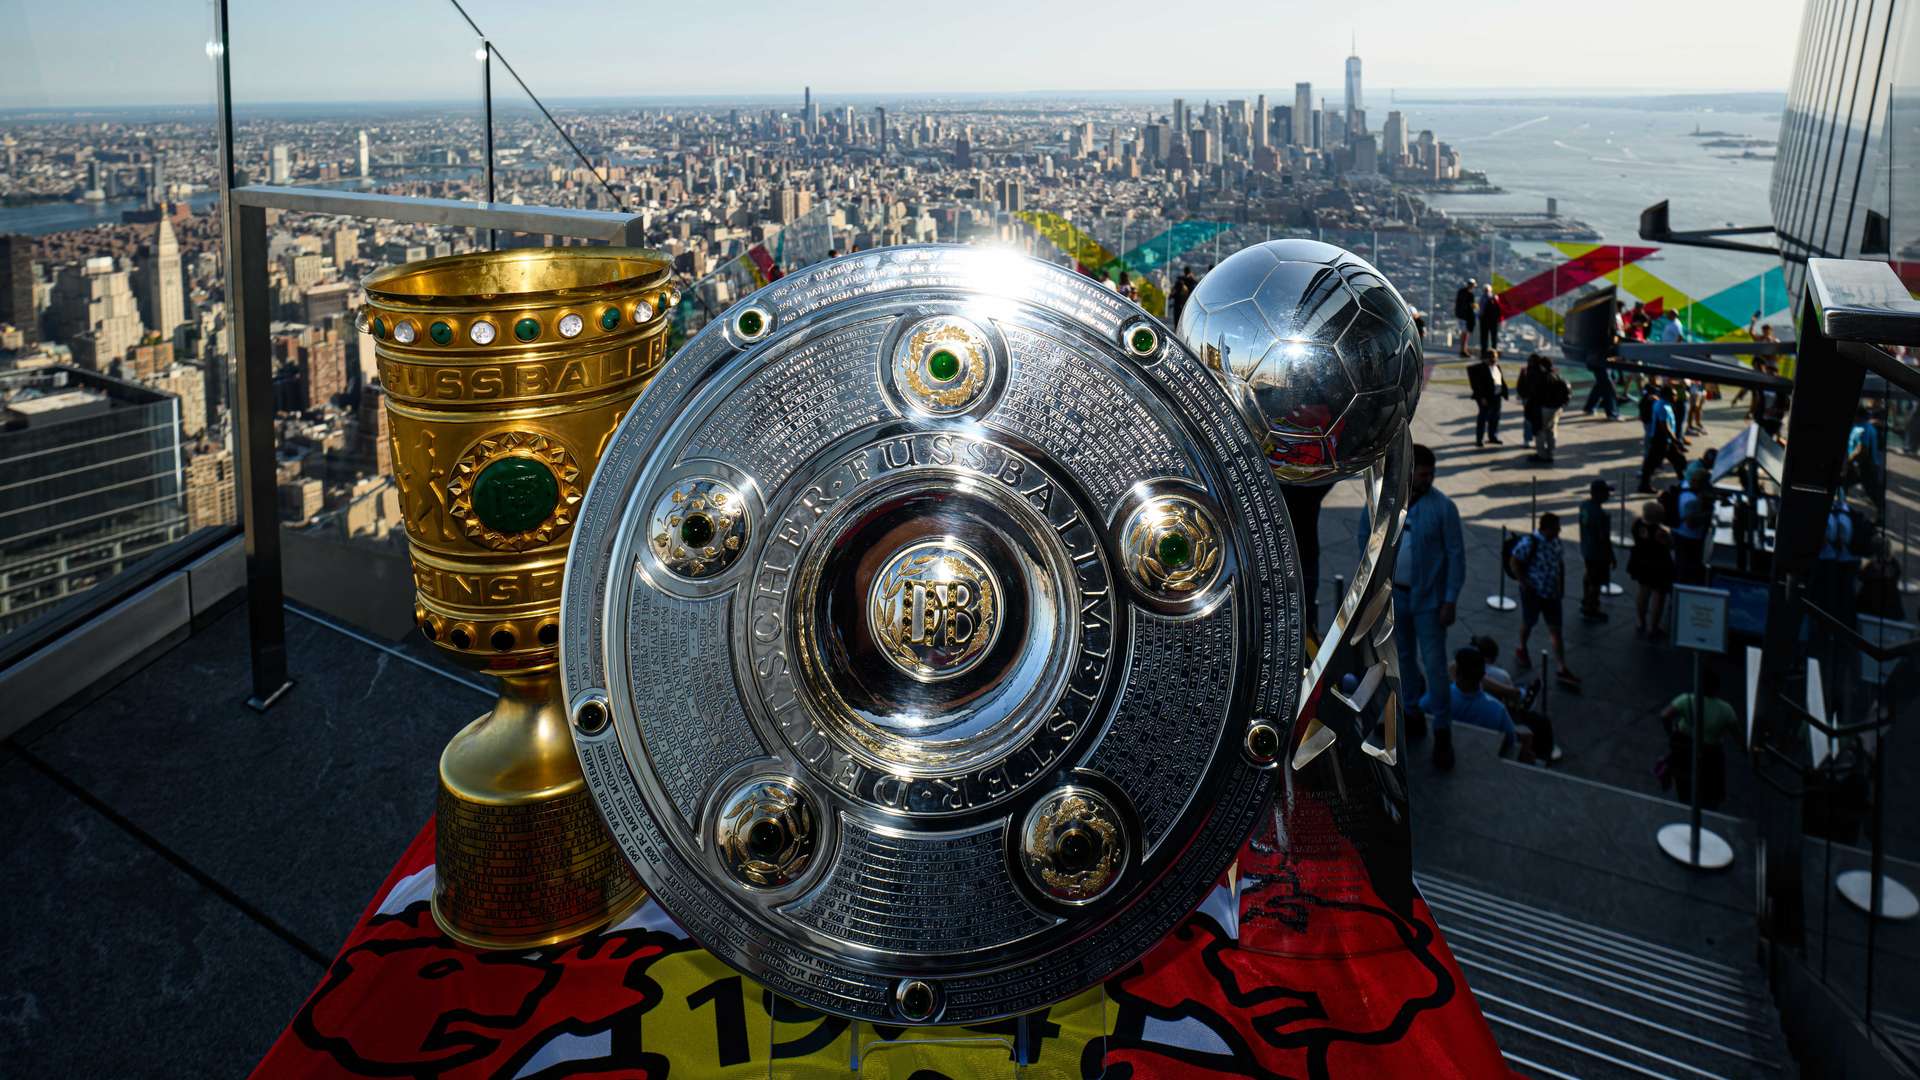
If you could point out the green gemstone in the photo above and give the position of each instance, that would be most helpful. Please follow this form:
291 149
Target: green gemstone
610 319
527 329
379 327
697 531
943 365
440 332
751 323
515 494
1175 550
1144 340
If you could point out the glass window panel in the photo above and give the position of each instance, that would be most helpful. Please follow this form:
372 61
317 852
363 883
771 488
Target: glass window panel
113 377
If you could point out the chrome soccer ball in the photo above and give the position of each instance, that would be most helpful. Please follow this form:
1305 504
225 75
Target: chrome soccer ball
1318 350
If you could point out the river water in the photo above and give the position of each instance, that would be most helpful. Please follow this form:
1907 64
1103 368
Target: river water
1606 164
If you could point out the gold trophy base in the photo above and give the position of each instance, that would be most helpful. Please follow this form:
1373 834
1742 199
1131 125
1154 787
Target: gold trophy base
523 858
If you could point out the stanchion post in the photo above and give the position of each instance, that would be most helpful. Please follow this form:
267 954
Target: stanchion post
1626 527
1609 588
1699 619
1698 741
1501 602
1907 584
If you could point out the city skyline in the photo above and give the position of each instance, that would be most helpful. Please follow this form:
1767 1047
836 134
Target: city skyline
155 52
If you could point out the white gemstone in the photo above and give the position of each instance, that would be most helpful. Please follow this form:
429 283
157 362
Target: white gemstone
642 311
403 333
481 332
361 324
570 326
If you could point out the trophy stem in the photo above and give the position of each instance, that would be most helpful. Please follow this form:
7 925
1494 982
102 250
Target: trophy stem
523 858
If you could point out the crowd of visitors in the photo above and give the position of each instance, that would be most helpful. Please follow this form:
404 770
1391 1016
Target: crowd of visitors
1670 541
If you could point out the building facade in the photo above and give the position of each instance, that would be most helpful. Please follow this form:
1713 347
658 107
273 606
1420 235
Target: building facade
16 287
1356 120
166 297
1836 192
95 311
93 468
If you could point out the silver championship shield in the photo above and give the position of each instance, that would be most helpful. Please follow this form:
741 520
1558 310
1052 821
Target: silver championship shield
931 634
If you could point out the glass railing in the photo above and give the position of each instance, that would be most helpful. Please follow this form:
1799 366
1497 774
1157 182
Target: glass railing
115 445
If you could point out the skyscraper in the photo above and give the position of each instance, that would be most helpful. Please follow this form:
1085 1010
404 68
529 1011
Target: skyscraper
166 299
157 179
16 286
1202 146
95 311
1302 109
1156 141
282 165
881 112
1260 119
363 154
810 114
1394 138
1355 122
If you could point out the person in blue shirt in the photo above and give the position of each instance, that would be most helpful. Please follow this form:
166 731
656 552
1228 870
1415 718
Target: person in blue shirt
1471 704
1695 524
1867 457
1830 584
1664 441
1428 574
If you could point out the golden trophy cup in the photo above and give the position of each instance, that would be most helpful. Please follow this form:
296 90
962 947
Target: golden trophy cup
506 374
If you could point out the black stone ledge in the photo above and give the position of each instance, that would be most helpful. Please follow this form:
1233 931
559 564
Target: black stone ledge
241 830
116 961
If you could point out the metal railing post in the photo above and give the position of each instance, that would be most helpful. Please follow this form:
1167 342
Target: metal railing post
249 323
486 111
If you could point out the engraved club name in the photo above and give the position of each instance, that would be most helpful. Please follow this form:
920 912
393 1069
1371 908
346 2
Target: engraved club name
777 672
538 378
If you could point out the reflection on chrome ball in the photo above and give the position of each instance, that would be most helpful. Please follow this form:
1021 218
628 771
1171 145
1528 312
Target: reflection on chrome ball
1316 347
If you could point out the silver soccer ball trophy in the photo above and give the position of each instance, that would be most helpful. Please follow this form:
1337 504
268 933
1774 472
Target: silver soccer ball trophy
1321 355
1317 347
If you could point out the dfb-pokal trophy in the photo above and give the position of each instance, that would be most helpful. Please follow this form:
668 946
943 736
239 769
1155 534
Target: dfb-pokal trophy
505 376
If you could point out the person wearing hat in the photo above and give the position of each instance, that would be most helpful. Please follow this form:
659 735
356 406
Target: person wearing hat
1596 549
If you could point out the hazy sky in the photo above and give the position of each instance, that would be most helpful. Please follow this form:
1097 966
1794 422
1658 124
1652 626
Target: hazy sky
118 52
